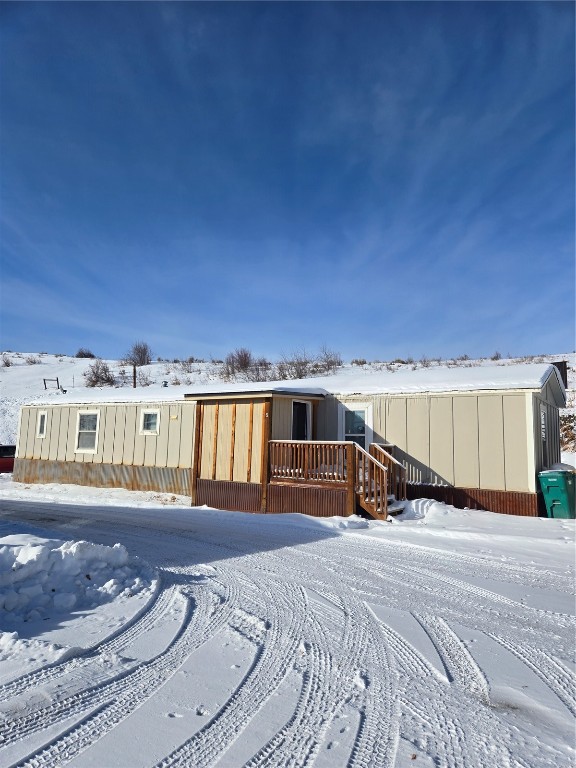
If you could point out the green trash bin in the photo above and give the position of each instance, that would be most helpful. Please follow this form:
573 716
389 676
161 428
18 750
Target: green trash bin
558 488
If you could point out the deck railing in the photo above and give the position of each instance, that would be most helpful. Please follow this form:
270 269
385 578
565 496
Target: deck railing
371 483
396 471
341 463
310 461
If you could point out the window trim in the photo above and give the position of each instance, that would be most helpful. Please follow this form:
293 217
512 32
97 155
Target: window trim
145 411
41 434
92 412
351 405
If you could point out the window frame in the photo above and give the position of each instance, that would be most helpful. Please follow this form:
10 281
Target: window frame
42 419
91 412
147 411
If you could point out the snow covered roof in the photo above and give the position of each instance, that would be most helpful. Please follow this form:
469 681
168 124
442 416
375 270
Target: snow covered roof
348 381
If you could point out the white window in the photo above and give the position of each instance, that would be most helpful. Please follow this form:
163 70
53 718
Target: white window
41 424
149 422
87 431
356 423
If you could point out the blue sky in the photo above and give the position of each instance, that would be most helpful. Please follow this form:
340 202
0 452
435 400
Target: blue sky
383 178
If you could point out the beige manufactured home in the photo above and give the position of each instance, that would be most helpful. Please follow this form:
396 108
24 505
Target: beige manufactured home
474 437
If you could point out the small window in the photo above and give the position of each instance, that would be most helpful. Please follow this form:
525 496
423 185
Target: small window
150 423
87 437
41 426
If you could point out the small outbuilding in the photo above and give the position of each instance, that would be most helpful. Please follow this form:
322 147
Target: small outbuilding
475 437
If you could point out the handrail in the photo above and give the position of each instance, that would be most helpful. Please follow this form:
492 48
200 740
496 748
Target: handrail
396 474
371 482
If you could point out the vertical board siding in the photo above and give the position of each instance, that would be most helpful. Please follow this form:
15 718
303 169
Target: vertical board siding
418 438
173 435
208 424
466 455
108 432
515 440
255 474
240 467
223 442
25 447
71 434
129 435
282 419
396 422
119 434
53 433
441 440
188 421
491 442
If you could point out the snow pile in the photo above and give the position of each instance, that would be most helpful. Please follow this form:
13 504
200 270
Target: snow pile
42 577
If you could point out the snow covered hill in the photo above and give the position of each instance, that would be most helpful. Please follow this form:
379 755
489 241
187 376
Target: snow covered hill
35 376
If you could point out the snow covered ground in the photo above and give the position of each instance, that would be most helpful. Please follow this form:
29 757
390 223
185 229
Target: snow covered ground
207 638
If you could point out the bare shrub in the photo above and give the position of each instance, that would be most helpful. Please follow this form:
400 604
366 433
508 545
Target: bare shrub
425 362
327 360
143 379
237 362
6 361
139 354
83 352
358 361
32 360
496 356
99 375
295 366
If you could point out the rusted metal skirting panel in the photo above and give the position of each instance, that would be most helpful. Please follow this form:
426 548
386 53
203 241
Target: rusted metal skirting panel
306 499
224 494
162 479
505 502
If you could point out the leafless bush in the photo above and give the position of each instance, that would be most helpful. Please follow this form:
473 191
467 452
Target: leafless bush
496 356
83 352
295 366
237 362
139 354
6 361
32 360
358 361
327 361
99 375
425 362
143 379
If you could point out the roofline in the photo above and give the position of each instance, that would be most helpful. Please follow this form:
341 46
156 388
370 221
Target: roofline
254 393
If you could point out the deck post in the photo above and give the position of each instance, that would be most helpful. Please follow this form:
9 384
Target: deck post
196 451
264 454
350 480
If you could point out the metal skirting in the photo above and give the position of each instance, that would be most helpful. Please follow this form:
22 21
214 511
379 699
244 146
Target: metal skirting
162 479
229 495
504 502
306 499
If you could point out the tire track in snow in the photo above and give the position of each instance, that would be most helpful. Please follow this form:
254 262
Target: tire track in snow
552 672
457 660
139 625
285 628
114 701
